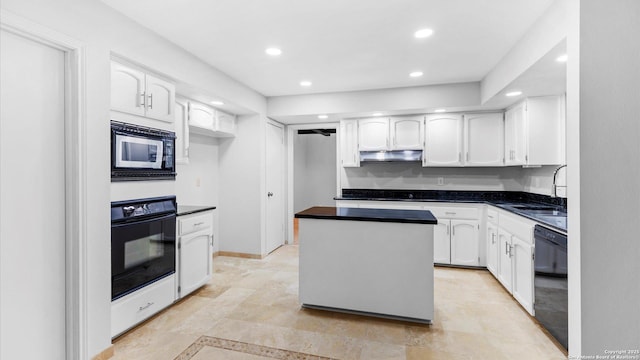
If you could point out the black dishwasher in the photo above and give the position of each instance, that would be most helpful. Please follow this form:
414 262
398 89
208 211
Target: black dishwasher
550 264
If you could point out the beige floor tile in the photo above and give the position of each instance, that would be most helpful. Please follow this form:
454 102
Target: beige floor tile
212 353
256 301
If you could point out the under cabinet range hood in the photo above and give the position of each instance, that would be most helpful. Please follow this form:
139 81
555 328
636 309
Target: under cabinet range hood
391 156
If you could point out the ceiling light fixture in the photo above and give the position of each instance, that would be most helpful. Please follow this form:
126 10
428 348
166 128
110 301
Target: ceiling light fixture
423 33
416 74
377 114
562 58
440 110
322 116
218 103
305 83
273 51
513 93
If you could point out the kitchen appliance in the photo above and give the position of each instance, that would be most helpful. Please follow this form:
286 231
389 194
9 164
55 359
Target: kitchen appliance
143 241
141 153
550 282
391 155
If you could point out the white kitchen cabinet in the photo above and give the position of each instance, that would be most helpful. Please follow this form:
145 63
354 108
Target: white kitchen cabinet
455 239
442 242
515 265
349 143
395 133
523 273
535 132
504 259
464 243
484 139
443 140
373 134
492 248
406 132
135 92
515 145
195 251
208 121
182 131
492 241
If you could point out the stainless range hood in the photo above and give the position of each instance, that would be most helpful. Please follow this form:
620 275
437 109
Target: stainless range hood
391 156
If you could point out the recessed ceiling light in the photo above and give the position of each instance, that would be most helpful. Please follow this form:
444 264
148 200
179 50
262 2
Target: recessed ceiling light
562 58
219 103
322 116
305 83
416 74
440 110
513 93
423 33
273 51
377 114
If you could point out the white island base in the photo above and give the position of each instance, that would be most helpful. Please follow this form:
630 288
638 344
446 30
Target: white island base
375 268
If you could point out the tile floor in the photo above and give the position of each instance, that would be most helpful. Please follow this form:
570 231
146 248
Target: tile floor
256 302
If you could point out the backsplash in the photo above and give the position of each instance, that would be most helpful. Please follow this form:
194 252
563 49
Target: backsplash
412 176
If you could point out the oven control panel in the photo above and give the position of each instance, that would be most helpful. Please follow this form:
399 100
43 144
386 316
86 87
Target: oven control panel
123 210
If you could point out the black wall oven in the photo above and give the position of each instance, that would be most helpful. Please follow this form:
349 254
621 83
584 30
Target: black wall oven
143 242
141 153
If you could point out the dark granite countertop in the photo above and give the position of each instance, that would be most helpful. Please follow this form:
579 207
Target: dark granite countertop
361 214
550 212
192 209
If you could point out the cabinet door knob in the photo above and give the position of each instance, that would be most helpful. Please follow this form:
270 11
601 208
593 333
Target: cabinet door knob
269 194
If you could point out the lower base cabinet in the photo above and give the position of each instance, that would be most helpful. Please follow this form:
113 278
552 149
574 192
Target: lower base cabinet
456 242
194 259
515 258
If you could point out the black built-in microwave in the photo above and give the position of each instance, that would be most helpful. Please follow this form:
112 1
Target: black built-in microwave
141 153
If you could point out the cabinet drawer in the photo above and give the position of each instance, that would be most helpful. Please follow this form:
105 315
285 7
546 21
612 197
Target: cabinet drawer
193 223
518 226
452 212
134 308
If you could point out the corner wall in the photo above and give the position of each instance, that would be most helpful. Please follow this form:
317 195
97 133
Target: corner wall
609 178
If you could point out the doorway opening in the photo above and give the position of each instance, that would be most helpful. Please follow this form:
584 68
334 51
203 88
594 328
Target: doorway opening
314 169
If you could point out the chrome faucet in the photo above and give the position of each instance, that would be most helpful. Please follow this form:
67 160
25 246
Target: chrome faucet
555 187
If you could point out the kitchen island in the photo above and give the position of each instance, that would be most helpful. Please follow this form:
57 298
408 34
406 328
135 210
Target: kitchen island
376 262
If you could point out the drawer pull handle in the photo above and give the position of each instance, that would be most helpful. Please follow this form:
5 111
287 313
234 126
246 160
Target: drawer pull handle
146 306
450 213
198 224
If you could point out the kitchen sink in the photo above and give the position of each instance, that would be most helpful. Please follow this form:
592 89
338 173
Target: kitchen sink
533 207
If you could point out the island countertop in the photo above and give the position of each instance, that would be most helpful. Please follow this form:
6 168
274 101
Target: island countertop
362 214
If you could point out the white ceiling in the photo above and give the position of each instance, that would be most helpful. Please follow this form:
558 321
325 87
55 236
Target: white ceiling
340 45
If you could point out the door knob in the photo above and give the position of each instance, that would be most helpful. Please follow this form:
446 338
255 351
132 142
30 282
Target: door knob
269 194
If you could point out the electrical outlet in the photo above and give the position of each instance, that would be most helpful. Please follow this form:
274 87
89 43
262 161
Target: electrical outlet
197 182
440 181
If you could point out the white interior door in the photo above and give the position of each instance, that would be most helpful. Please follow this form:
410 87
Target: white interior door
275 187
32 199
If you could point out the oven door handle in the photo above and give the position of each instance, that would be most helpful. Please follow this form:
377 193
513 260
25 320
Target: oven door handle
143 219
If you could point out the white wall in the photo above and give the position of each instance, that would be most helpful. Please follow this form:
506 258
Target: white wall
412 176
242 186
609 178
198 181
102 30
540 180
314 171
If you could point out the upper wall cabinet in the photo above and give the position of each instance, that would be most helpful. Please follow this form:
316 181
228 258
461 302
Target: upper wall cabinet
210 122
348 135
373 134
406 132
535 132
443 140
182 131
483 138
396 133
137 93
